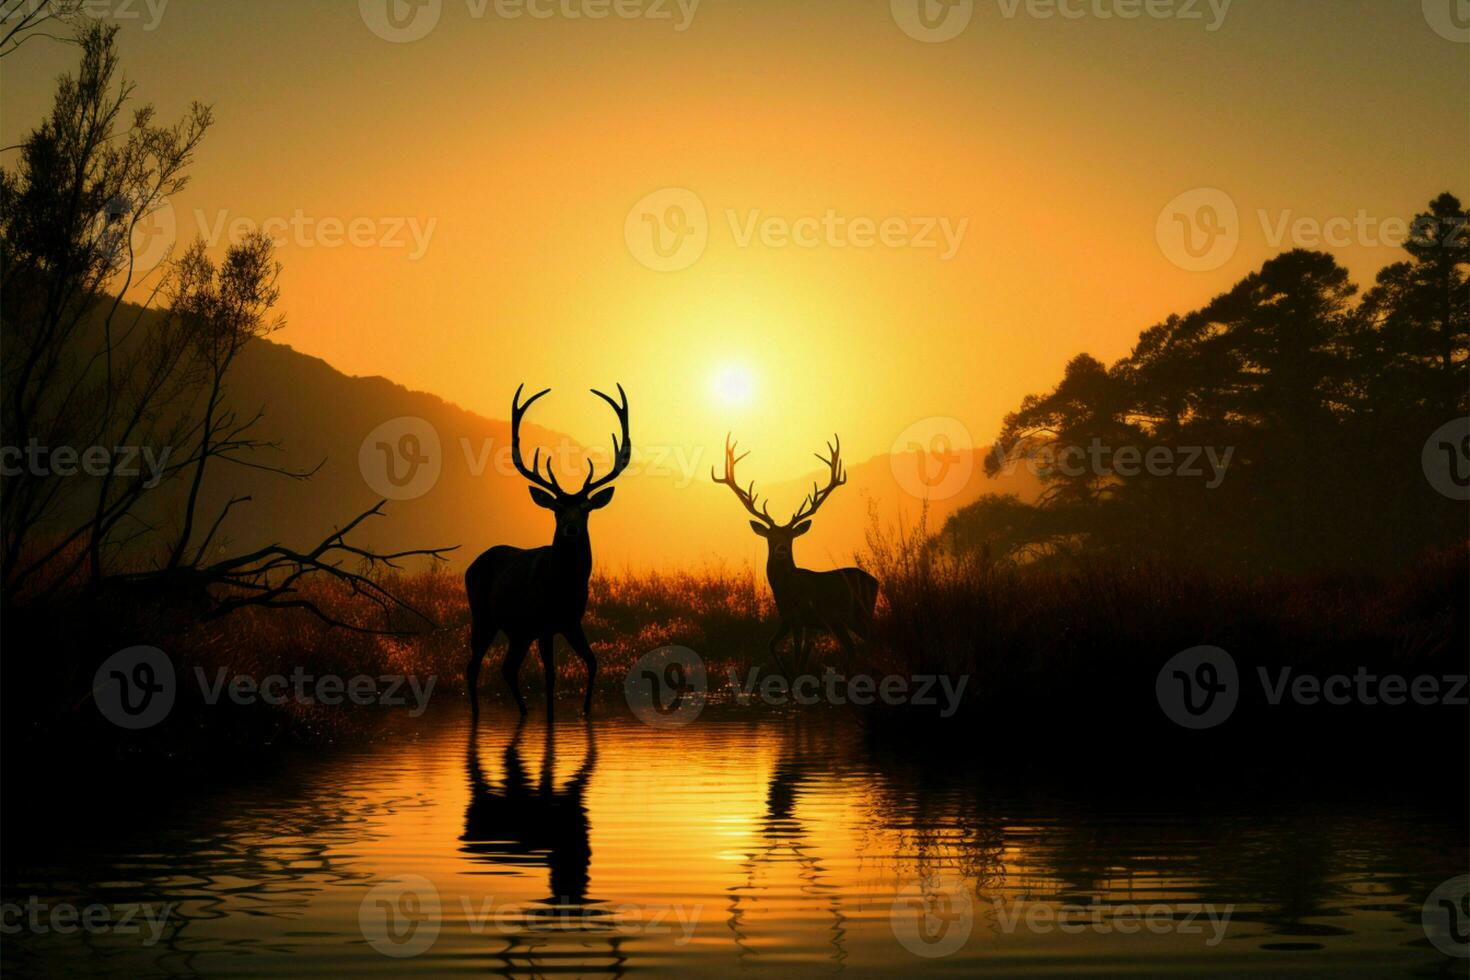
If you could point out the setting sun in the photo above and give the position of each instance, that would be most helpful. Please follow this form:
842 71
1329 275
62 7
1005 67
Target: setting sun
733 385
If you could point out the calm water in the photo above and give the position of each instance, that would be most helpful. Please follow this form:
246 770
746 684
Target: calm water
743 846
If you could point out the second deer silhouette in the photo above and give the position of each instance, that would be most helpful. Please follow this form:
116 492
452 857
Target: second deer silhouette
535 593
839 602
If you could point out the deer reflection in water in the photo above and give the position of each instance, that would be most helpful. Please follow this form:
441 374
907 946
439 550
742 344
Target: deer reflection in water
780 831
524 823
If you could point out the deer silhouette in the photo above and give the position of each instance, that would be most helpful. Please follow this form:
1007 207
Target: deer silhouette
839 602
536 593
526 823
784 839
522 822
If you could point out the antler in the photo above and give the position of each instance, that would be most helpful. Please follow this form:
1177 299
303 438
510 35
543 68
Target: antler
835 478
517 411
747 496
622 451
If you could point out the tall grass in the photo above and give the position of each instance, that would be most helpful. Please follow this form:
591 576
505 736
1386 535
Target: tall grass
1055 649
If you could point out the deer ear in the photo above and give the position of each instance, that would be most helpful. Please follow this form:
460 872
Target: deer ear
601 499
543 498
759 528
801 529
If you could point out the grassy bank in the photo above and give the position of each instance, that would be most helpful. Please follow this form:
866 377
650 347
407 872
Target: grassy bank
1057 658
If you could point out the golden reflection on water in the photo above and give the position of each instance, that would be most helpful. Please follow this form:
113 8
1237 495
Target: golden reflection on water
754 844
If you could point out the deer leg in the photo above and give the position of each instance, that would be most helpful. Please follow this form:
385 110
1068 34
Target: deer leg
515 655
781 630
578 641
844 640
480 639
547 650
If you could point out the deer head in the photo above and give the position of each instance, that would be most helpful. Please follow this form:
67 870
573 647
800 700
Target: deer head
780 536
571 509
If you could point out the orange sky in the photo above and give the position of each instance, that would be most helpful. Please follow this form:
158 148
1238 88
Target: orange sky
516 147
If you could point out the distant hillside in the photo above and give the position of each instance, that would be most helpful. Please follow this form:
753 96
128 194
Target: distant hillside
320 415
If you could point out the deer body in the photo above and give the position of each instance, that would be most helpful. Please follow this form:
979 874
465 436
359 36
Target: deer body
821 600
533 594
531 591
839 602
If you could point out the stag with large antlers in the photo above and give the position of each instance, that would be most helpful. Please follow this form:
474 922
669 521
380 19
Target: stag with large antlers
839 602
536 593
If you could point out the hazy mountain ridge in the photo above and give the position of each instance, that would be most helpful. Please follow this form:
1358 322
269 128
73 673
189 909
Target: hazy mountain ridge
661 518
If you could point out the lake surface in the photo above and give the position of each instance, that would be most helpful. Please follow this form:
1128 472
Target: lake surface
753 844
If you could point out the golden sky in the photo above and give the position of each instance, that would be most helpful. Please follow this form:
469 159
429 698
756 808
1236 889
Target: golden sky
528 153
